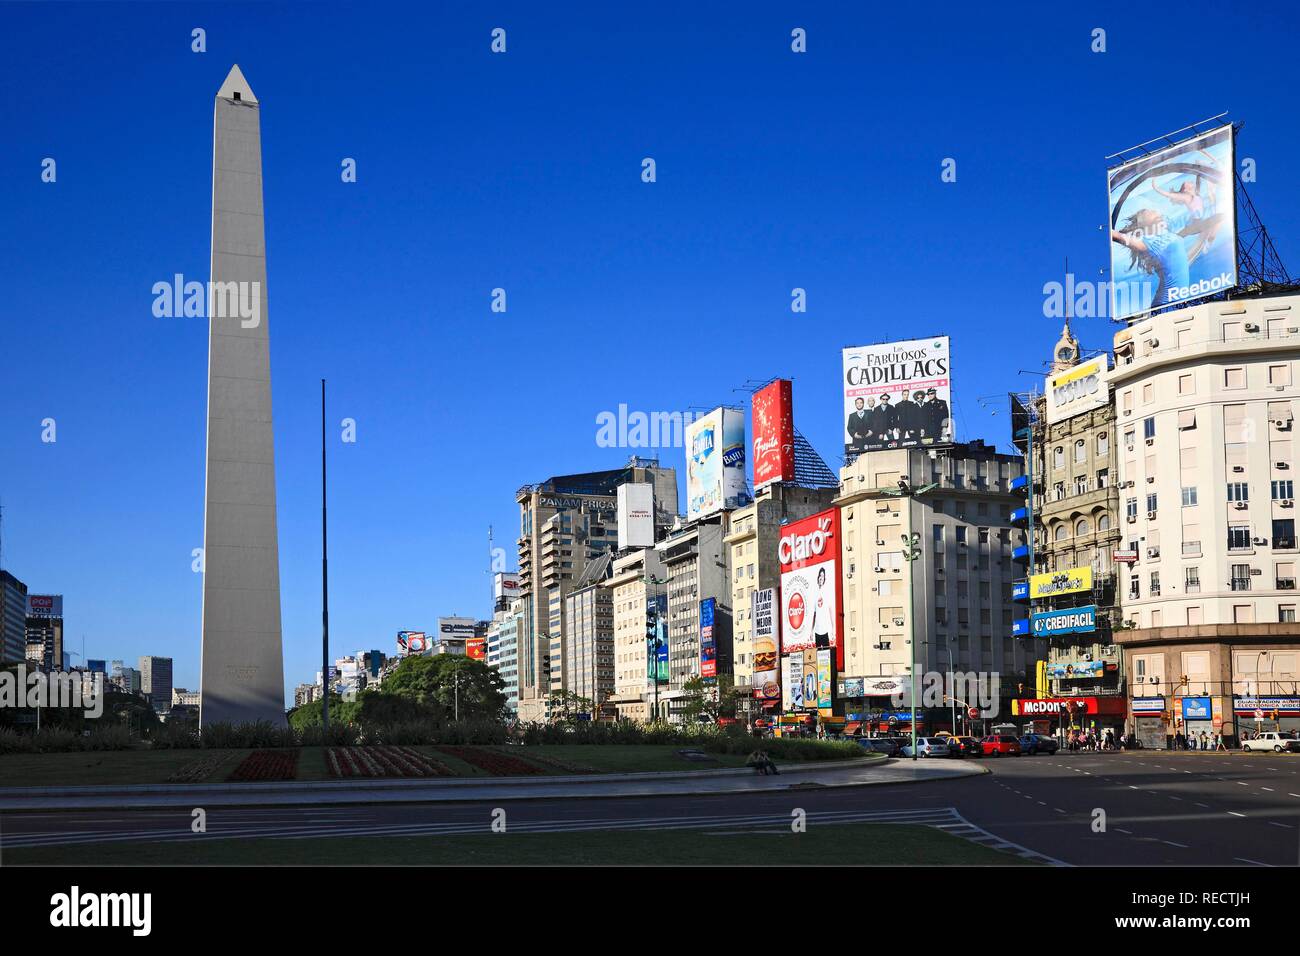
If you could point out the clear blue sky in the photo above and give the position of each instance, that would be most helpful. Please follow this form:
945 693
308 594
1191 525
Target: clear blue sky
522 170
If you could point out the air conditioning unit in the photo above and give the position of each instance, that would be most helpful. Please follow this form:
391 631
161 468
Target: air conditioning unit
1153 552
1151 479
1261 541
898 622
1151 441
1131 519
880 542
1151 514
879 570
1238 469
1280 422
1287 503
1130 484
1281 465
1241 505
1252 327
1292 329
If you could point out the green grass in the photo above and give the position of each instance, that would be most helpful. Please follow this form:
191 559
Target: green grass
131 767
848 844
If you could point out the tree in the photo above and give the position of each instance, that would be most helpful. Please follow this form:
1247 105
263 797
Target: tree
442 680
706 702
568 703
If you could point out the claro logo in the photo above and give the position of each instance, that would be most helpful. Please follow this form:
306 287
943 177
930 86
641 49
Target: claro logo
801 547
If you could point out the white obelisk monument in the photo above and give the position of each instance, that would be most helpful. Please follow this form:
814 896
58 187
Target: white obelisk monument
243 661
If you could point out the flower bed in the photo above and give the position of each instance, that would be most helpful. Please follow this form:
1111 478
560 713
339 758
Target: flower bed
555 763
494 762
267 765
382 762
198 770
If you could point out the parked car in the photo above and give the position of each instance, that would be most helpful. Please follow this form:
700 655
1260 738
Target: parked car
997 745
889 746
969 746
928 747
1038 744
1274 741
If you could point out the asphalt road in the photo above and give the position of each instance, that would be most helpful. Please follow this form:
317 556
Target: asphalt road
1158 808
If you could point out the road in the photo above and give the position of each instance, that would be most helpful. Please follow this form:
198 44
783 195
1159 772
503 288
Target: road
1147 808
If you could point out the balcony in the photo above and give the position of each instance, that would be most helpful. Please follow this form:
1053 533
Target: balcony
1240 584
1283 544
1286 584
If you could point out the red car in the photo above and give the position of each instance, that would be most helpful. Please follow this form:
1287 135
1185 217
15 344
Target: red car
999 744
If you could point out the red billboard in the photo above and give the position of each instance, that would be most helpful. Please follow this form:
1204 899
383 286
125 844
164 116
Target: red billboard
476 648
773 411
811 602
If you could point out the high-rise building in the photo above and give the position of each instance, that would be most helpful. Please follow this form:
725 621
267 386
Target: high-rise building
1205 405
13 619
697 561
752 543
156 681
564 522
44 627
589 635
126 679
1077 525
637 577
961 606
242 677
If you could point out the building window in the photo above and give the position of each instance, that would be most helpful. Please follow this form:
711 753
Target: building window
1186 385
1240 577
1191 580
1286 613
1129 438
1151 503
1058 457
1155 583
1131 508
1103 522
1238 537
1059 533
1148 428
1103 478
1238 491
1103 444
1058 490
1234 378
1080 451
1189 496
1082 527
1283 489
1284 534
1279 375
1080 484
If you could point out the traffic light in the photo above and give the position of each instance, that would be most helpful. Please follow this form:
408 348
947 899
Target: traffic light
1274 713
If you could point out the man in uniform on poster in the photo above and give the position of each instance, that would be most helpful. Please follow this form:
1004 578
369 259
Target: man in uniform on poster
859 424
937 425
911 418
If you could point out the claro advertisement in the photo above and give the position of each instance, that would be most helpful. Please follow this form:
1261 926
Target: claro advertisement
809 552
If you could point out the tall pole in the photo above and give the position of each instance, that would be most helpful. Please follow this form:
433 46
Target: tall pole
910 542
324 577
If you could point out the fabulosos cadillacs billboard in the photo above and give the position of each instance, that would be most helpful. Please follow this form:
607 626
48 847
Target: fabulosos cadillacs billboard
897 395
1173 227
715 463
773 410
809 552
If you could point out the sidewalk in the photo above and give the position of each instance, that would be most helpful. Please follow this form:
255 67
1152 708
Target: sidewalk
848 773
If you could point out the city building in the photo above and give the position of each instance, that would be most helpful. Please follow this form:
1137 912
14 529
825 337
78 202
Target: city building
695 557
1205 404
1076 525
565 522
156 681
752 546
961 608
305 694
637 579
589 636
13 619
44 631
185 698
126 679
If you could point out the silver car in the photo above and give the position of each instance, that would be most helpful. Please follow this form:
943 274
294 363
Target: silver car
927 747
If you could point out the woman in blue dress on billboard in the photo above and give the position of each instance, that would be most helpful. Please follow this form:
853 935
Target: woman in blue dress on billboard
1156 249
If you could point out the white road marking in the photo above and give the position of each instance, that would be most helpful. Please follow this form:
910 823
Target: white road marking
1236 814
1172 843
1242 859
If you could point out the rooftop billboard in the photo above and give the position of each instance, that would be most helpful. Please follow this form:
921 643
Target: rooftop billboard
897 395
1173 227
636 515
1077 390
715 463
809 552
773 414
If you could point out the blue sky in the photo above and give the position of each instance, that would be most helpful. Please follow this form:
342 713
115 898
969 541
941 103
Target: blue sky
522 171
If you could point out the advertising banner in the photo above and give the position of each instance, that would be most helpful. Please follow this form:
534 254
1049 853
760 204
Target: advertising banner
1197 708
657 639
708 647
825 677
852 687
715 463
1071 669
792 681
773 413
476 648
636 515
1173 225
412 642
505 584
1052 583
1148 705
1283 705
1073 620
1077 390
45 605
767 681
897 395
809 551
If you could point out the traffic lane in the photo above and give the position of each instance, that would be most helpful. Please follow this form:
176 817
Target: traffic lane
1180 817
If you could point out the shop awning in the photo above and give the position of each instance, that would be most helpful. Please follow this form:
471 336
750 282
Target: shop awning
852 726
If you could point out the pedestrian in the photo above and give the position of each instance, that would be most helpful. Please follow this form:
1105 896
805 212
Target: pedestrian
762 763
1218 743
1205 740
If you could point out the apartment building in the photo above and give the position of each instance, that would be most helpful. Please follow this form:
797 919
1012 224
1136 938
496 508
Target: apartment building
1205 408
637 577
962 582
589 635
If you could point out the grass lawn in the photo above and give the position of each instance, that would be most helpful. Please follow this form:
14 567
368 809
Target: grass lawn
848 844
127 767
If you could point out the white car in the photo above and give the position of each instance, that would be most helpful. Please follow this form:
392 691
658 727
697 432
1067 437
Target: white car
1271 740
928 747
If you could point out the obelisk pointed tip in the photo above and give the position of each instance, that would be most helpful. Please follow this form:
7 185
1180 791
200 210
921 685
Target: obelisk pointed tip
236 87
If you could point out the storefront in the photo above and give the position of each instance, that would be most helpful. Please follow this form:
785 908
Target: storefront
1058 715
1260 714
1149 724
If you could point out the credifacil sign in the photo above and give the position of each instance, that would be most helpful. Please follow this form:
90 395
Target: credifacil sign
1074 620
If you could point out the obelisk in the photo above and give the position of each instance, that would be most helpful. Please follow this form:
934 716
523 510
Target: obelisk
243 661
